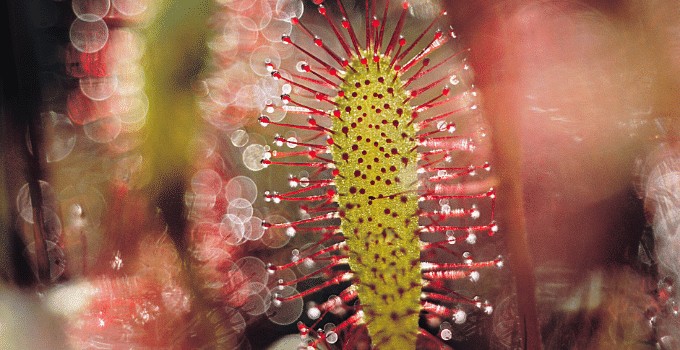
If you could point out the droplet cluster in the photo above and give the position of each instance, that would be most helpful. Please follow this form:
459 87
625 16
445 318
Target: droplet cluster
370 117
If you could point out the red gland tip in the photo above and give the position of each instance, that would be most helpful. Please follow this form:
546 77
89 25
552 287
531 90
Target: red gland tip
312 154
317 2
286 39
438 35
335 172
487 166
264 120
303 329
376 58
322 10
493 229
402 41
332 71
499 261
276 75
307 68
426 62
375 23
364 61
312 121
446 91
336 113
405 5
341 93
330 141
345 23
318 42
294 20
285 98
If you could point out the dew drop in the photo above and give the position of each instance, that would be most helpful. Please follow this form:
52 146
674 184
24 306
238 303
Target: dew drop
60 138
241 208
199 202
88 37
450 237
51 224
250 96
274 110
238 5
499 262
241 187
259 58
474 276
233 229
253 269
290 232
309 263
471 238
256 18
328 327
313 312
239 138
291 142
256 230
117 262
275 29
206 182
285 10
488 308
103 130
295 255
131 7
494 228
284 312
331 337
132 109
254 305
446 209
90 10
55 256
475 212
23 200
98 88
445 334
275 237
459 317
252 157
283 276
454 80
300 66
